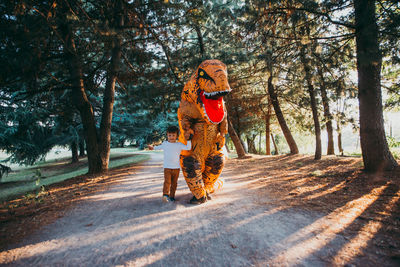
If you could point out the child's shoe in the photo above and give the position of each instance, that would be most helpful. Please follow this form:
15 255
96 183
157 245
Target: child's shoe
166 199
172 199
199 201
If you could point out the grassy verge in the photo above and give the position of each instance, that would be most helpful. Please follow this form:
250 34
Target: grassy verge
44 174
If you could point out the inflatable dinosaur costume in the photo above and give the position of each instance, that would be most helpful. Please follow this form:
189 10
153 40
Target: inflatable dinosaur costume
202 110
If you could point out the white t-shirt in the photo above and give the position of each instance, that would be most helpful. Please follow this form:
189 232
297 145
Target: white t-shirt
172 152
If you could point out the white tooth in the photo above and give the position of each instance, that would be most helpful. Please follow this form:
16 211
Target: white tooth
215 93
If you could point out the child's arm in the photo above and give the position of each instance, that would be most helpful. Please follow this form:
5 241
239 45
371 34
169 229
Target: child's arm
160 147
188 145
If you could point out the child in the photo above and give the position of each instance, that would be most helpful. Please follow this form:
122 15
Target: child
172 150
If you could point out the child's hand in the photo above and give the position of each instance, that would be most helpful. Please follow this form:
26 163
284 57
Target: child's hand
150 147
188 134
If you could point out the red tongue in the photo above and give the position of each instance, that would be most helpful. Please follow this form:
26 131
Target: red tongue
214 108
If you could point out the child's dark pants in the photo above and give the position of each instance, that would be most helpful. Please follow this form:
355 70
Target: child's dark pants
170 181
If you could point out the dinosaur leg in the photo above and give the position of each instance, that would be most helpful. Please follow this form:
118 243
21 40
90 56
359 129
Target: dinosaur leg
192 171
213 168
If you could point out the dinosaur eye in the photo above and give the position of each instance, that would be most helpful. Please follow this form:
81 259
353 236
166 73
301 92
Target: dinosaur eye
203 74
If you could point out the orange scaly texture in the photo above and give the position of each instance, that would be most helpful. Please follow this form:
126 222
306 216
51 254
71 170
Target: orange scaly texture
202 110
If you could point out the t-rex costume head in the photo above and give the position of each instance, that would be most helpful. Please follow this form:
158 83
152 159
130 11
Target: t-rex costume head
205 89
202 110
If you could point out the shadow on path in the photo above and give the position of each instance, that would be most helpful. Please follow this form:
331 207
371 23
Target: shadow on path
129 225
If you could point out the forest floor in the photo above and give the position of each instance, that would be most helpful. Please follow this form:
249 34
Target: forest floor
273 210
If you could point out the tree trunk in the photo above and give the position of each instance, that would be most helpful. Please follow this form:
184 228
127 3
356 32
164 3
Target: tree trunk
374 147
74 151
236 141
268 129
122 143
81 148
108 98
227 148
79 97
245 147
250 144
339 137
279 115
318 148
200 39
238 128
327 114
275 146
311 92
4 170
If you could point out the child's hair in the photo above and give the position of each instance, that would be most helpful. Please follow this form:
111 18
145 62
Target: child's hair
173 129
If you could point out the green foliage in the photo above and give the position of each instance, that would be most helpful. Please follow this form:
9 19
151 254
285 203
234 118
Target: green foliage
391 75
24 137
396 153
392 142
37 176
162 43
30 129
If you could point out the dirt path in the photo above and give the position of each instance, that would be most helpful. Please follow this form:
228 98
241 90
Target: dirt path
128 225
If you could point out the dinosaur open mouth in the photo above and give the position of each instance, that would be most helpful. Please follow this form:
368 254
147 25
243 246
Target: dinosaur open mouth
213 105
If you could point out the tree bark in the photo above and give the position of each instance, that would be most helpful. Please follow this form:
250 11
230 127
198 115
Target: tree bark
374 147
339 137
245 147
74 151
268 129
238 131
311 92
327 114
250 144
122 143
108 98
227 148
81 148
4 170
279 115
275 146
236 141
79 97
201 42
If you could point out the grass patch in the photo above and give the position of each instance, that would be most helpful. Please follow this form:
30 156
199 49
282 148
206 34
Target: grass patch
317 173
39 176
57 166
299 164
232 155
354 154
395 152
